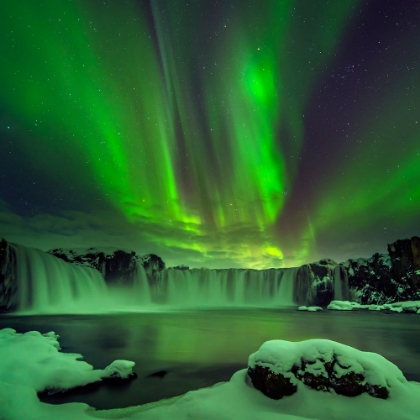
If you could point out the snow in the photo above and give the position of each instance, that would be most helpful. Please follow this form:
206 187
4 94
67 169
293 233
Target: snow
340 305
32 362
280 356
119 369
408 306
310 308
80 252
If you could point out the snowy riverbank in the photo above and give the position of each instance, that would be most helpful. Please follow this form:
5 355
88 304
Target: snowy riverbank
32 362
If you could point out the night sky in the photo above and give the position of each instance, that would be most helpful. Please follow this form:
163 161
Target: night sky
217 133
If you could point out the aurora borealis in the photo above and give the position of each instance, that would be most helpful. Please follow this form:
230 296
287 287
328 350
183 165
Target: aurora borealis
232 133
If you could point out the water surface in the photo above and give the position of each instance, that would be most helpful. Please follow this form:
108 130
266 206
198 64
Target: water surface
201 348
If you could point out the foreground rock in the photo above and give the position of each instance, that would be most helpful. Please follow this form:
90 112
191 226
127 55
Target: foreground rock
279 368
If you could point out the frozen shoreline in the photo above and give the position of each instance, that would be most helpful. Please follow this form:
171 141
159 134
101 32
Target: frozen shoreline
32 362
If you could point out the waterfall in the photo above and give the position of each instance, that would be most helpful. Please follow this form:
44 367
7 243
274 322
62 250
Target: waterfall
225 288
287 285
341 284
141 288
47 284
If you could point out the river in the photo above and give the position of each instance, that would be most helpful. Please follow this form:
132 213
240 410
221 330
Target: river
200 348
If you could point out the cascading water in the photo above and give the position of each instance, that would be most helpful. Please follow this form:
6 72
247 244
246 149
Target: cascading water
230 287
341 284
141 288
47 284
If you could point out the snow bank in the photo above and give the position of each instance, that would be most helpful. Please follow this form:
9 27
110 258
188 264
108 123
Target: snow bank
340 305
310 308
408 306
32 362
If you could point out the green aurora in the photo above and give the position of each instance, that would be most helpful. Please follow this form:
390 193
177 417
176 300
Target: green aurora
187 123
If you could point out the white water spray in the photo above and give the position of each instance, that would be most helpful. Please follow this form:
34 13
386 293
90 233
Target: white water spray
341 284
47 284
225 288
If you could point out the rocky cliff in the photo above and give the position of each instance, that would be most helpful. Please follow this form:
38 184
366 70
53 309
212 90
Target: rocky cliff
115 265
8 286
386 278
314 283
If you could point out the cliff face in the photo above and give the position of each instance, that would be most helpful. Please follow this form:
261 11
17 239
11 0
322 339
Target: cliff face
116 266
405 257
387 278
320 282
8 287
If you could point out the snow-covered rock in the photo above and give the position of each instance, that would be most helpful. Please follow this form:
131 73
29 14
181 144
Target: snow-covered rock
115 265
280 367
387 278
339 305
310 308
119 369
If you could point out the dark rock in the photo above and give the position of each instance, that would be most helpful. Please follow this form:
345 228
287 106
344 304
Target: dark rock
8 284
273 385
377 391
117 379
116 266
317 382
350 385
386 278
159 374
153 264
405 256
318 374
181 267
314 283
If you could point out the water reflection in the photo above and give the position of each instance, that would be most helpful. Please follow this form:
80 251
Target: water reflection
200 348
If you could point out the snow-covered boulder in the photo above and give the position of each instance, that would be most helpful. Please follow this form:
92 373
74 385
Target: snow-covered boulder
411 306
310 308
279 368
339 305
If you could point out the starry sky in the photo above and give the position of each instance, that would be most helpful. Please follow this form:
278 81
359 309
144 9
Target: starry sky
217 133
